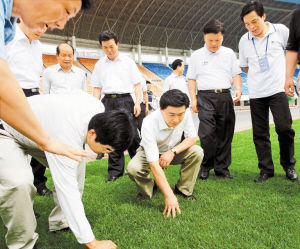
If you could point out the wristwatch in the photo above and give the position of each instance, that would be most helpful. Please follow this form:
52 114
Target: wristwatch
174 151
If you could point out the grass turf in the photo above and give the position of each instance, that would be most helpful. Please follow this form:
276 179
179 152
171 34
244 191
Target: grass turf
228 213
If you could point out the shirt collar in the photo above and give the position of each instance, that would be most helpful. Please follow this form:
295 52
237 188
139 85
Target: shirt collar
271 30
162 123
175 75
20 35
209 52
119 58
59 68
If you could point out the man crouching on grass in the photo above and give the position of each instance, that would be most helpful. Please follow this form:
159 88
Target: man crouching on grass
162 145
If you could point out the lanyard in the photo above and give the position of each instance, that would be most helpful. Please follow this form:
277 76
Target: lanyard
266 46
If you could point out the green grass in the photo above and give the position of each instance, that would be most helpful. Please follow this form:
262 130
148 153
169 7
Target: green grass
228 213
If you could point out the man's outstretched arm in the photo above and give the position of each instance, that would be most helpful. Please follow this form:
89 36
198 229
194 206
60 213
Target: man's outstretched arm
15 111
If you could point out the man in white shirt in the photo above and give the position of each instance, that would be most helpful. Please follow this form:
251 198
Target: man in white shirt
75 118
25 49
212 71
161 146
64 76
176 80
118 78
262 55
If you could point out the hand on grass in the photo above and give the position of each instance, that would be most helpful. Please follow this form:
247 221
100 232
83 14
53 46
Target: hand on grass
101 244
171 206
166 158
56 147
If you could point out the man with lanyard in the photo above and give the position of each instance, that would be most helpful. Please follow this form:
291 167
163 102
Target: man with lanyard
118 78
262 55
25 49
213 69
64 76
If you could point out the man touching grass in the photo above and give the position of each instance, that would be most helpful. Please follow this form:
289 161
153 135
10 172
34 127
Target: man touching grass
162 146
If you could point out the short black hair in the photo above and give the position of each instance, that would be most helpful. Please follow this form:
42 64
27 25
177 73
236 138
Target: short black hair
148 82
86 4
175 98
252 6
106 35
177 63
113 128
58 51
214 26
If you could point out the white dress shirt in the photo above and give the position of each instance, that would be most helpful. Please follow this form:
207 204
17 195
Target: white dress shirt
158 138
56 80
118 76
264 84
65 117
176 82
25 60
213 70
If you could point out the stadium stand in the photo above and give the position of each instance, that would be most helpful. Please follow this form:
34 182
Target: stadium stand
148 75
159 69
89 64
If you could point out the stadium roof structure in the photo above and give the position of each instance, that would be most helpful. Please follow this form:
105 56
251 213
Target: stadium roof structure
174 24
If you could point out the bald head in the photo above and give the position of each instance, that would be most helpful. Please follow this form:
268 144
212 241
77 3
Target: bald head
65 56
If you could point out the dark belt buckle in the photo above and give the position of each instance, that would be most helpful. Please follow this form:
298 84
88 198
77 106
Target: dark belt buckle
218 90
113 96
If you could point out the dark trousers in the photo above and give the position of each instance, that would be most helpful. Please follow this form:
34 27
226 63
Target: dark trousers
279 106
116 161
38 169
216 128
141 117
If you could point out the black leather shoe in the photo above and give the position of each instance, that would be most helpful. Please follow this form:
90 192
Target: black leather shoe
111 179
66 229
43 190
100 156
189 197
291 174
263 177
203 174
224 175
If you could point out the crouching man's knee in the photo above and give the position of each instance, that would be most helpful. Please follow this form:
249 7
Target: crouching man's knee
197 151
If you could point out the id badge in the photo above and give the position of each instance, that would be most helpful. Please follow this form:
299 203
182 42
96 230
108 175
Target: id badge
263 64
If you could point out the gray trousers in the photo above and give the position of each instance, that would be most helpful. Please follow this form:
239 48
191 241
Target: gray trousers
138 170
17 193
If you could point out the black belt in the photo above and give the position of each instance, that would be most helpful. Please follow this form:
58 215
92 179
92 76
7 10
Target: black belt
113 96
215 91
33 90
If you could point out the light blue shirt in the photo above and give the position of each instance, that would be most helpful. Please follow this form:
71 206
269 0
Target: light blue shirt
7 25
